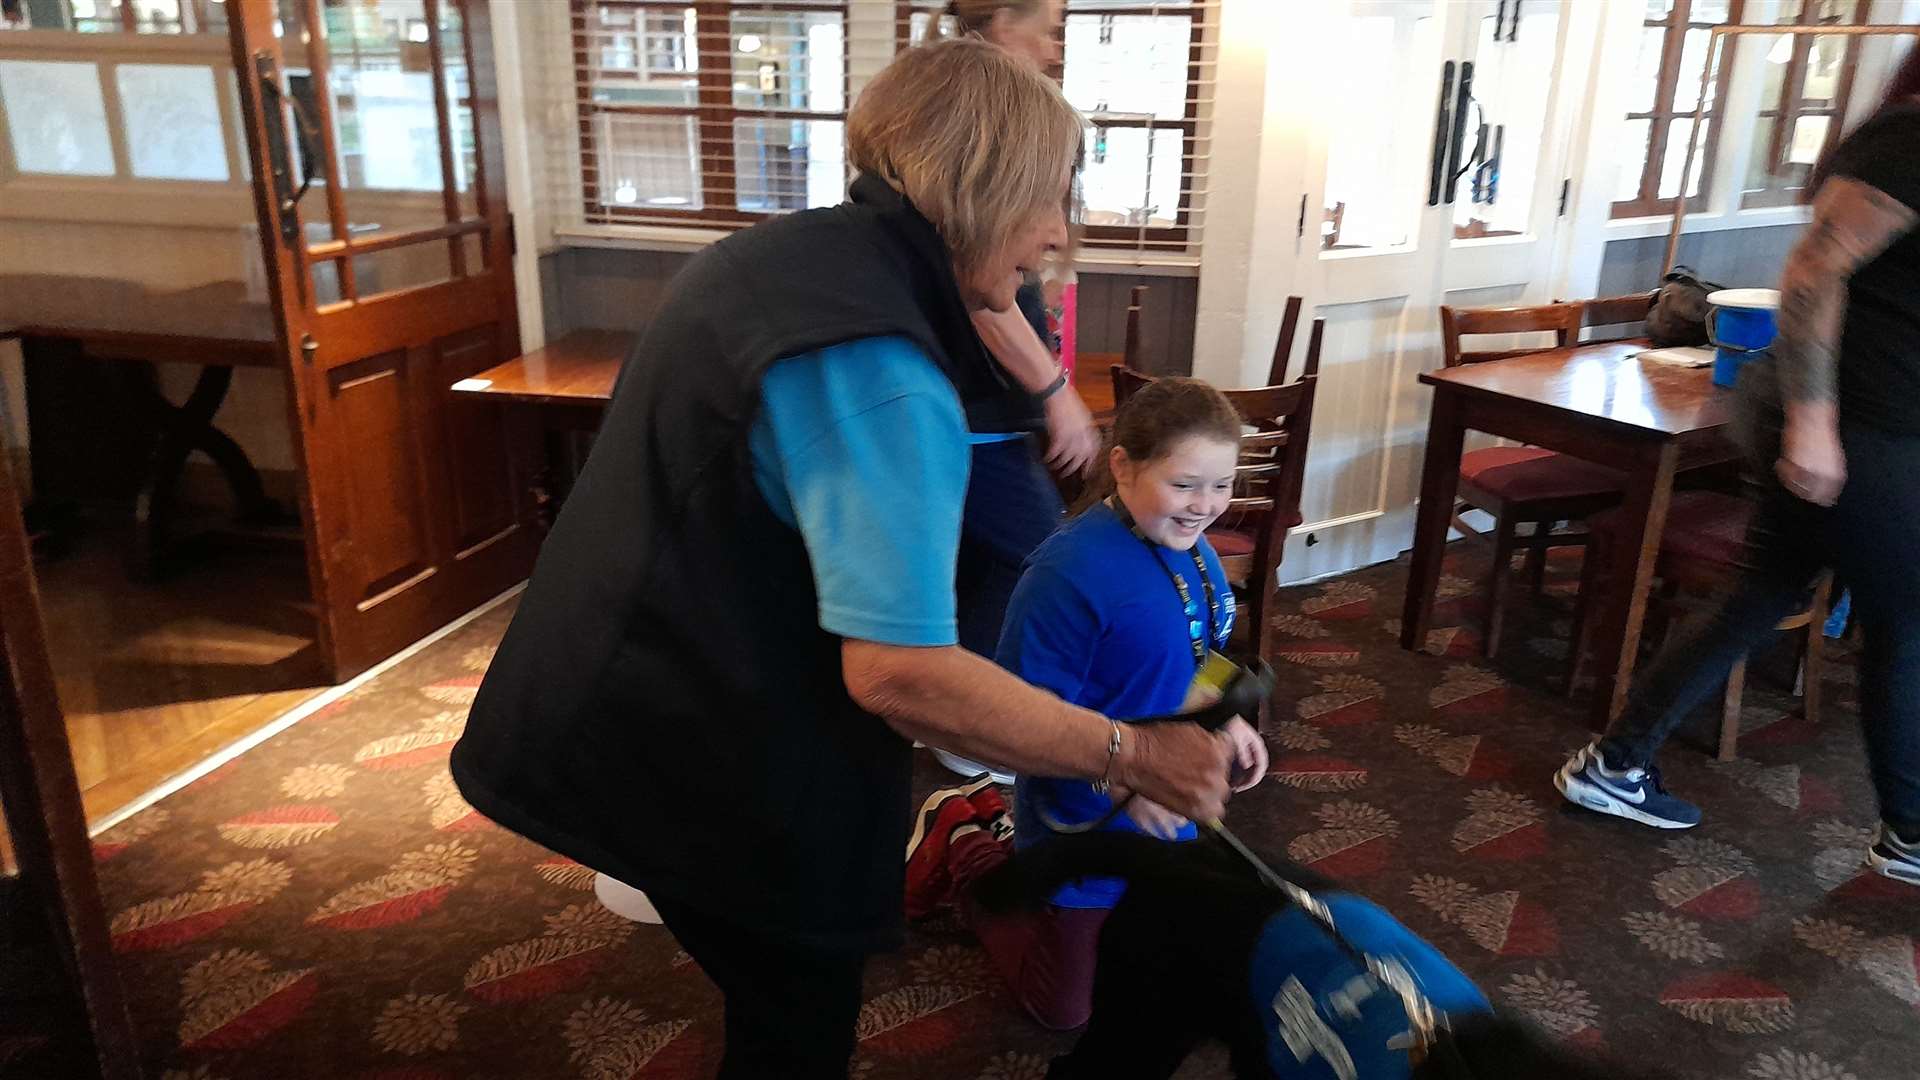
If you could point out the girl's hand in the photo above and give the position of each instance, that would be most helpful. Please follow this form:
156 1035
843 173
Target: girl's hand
1155 820
1249 753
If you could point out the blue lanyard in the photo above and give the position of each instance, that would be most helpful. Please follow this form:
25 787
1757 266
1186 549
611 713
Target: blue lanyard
1201 645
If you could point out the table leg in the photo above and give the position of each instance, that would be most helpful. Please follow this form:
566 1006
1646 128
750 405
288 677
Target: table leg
1642 517
186 428
1439 482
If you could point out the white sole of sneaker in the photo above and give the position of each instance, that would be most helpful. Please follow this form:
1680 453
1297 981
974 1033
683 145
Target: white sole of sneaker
931 808
1587 797
1896 869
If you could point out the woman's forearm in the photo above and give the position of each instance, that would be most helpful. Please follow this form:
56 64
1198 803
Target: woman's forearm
1010 338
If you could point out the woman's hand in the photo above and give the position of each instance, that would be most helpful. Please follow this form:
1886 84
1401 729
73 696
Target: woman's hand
1073 441
1155 820
1177 765
1249 754
1812 464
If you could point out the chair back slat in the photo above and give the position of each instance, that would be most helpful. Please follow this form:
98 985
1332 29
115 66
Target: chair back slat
1562 320
1132 352
1283 349
1615 312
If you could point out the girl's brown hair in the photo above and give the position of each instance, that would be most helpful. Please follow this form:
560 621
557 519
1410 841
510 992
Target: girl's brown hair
978 141
1157 416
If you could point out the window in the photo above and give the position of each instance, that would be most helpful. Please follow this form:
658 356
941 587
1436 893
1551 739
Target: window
124 16
713 112
1804 101
1673 56
1134 71
719 112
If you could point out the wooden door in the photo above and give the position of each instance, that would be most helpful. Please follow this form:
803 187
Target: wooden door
374 136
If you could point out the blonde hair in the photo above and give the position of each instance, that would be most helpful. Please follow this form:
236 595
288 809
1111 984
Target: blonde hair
974 16
978 141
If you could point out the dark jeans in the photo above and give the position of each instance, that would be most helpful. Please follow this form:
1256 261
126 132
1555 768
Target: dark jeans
1012 505
790 1011
1871 539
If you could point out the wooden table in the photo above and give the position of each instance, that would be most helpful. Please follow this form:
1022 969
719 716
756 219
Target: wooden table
1595 402
60 319
556 393
579 371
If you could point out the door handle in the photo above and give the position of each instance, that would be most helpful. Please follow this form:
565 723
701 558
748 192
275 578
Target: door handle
1442 121
1486 178
1462 98
277 99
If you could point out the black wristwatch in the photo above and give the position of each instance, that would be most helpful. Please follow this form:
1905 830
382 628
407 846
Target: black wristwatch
1058 384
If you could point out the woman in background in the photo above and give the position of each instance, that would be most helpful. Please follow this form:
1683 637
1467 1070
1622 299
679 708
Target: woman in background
1012 504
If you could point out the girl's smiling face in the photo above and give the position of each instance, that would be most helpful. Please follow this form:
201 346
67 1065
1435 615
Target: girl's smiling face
1174 497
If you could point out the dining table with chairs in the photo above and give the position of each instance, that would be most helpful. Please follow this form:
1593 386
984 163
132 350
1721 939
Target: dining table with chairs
1601 404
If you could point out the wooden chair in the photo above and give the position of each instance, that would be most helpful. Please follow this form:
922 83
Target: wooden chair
1702 546
40 798
1250 537
1611 313
1519 484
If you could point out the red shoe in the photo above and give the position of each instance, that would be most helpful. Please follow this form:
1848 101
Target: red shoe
944 811
991 806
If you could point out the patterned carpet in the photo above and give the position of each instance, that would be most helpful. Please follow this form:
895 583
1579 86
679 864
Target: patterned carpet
328 907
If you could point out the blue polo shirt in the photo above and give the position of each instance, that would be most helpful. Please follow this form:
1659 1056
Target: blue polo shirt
1096 620
862 447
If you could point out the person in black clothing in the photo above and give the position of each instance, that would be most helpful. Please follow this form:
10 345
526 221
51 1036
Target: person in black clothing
1834 423
744 613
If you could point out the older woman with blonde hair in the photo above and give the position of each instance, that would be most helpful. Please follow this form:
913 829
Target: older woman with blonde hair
745 612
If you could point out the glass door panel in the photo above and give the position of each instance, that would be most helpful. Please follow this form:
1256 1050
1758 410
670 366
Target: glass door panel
1514 70
1381 128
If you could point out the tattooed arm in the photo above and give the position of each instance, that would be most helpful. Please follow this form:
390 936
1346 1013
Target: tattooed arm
1853 223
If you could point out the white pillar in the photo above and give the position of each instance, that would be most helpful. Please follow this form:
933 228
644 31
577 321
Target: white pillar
1253 188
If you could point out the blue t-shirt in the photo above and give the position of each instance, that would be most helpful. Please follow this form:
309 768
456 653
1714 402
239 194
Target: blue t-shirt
862 447
1326 1018
1096 620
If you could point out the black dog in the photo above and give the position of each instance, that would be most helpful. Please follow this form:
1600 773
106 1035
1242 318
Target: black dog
1196 945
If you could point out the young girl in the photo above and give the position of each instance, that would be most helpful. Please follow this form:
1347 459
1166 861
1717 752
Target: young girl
1117 612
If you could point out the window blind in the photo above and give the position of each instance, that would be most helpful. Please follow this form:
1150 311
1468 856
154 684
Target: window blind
719 113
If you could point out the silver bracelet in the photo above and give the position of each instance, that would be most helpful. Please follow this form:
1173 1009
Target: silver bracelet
1102 785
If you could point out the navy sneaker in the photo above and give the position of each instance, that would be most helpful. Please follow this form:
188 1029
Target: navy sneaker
1634 793
1890 856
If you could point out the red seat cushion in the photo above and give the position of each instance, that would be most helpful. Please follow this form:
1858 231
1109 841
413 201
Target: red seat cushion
1702 525
1530 474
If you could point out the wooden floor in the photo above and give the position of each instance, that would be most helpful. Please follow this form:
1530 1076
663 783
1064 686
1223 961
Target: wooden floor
155 677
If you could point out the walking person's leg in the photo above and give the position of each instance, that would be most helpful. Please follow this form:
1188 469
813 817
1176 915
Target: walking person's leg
1875 538
1616 775
790 1010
